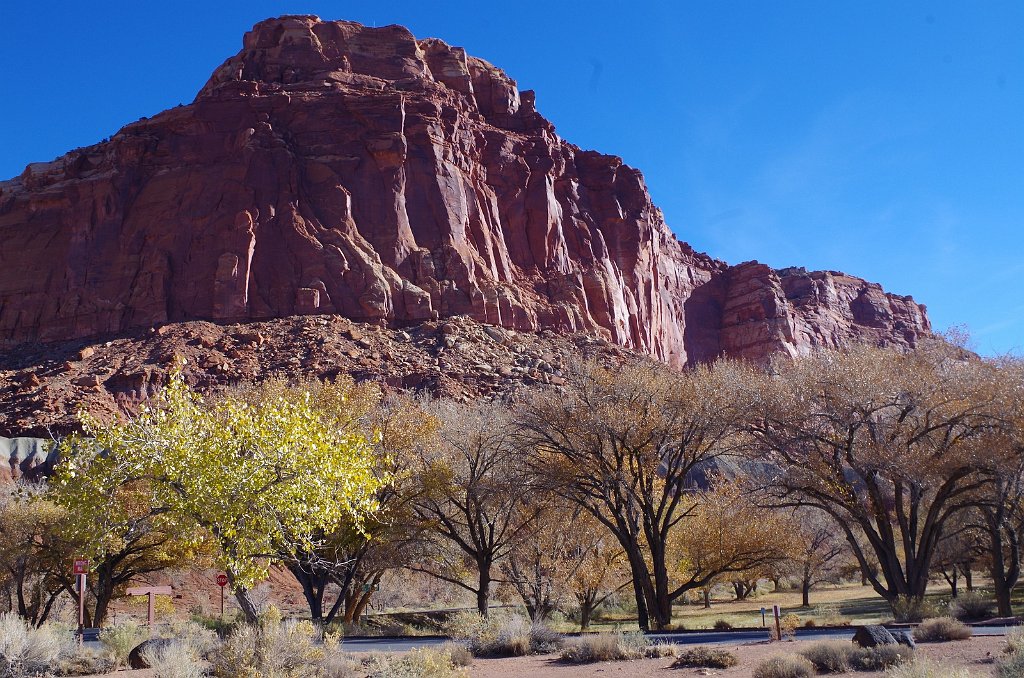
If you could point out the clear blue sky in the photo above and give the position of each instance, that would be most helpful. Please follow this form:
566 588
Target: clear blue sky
885 139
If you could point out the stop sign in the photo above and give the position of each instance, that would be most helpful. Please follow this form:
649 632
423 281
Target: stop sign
222 579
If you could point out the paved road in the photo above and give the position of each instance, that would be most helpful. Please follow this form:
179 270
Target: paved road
690 638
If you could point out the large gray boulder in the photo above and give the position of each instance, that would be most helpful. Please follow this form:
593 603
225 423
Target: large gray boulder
873 635
137 657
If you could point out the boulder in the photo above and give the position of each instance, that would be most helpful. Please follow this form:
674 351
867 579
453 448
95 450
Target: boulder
873 635
137 657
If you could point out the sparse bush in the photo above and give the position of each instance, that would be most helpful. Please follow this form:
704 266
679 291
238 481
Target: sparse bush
179 659
705 658
26 651
599 647
513 636
421 663
788 624
926 668
200 638
85 662
1015 640
829 656
880 657
722 625
941 629
908 610
120 639
460 654
289 649
784 666
972 606
1011 667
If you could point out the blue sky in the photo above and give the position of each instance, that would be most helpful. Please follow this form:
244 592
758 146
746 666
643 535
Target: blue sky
883 139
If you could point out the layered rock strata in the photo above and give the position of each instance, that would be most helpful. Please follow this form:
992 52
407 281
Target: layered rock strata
333 168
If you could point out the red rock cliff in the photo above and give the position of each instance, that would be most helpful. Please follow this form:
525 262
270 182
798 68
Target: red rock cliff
329 167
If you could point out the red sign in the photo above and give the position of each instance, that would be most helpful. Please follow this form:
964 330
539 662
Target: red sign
81 566
222 579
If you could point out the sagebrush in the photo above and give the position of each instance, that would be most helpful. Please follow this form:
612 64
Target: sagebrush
702 657
941 629
784 666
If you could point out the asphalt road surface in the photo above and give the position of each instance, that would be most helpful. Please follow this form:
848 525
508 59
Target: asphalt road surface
686 638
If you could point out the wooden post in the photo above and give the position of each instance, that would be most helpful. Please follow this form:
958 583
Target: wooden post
81 607
152 592
777 611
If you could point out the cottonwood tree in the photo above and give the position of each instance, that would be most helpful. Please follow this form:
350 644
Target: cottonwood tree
252 479
32 553
350 558
620 442
818 551
602 571
891 445
475 495
108 518
727 533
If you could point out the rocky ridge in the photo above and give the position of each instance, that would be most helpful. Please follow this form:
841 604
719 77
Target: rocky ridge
334 169
43 387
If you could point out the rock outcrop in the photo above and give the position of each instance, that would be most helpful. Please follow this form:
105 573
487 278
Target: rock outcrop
333 168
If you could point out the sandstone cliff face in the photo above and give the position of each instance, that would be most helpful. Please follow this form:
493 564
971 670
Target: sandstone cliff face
332 168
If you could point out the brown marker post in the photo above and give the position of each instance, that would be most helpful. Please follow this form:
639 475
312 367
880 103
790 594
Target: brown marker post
79 568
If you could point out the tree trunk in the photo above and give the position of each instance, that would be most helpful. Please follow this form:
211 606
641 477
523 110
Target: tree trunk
968 577
244 599
805 592
586 612
707 598
483 594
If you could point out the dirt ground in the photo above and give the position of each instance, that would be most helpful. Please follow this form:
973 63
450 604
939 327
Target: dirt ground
976 654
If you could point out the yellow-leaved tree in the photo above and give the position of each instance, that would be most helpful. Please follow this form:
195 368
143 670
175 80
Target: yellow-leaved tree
252 478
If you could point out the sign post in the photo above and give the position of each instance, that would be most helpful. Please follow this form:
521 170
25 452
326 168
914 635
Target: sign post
777 611
152 592
222 581
79 568
764 611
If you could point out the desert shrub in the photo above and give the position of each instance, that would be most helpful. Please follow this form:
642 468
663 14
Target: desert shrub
784 666
197 636
460 654
85 662
120 639
1015 640
810 624
179 659
788 624
512 636
925 668
289 649
339 665
598 647
722 625
880 657
972 606
1011 666
705 658
941 629
421 663
908 610
26 651
829 656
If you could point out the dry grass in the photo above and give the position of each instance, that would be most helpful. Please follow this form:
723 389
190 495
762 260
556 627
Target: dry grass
28 651
605 647
705 658
941 629
784 666
925 668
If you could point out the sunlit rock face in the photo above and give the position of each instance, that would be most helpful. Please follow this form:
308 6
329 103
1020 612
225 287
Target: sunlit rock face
333 168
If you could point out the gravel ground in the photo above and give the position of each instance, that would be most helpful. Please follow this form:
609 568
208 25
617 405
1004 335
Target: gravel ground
975 654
